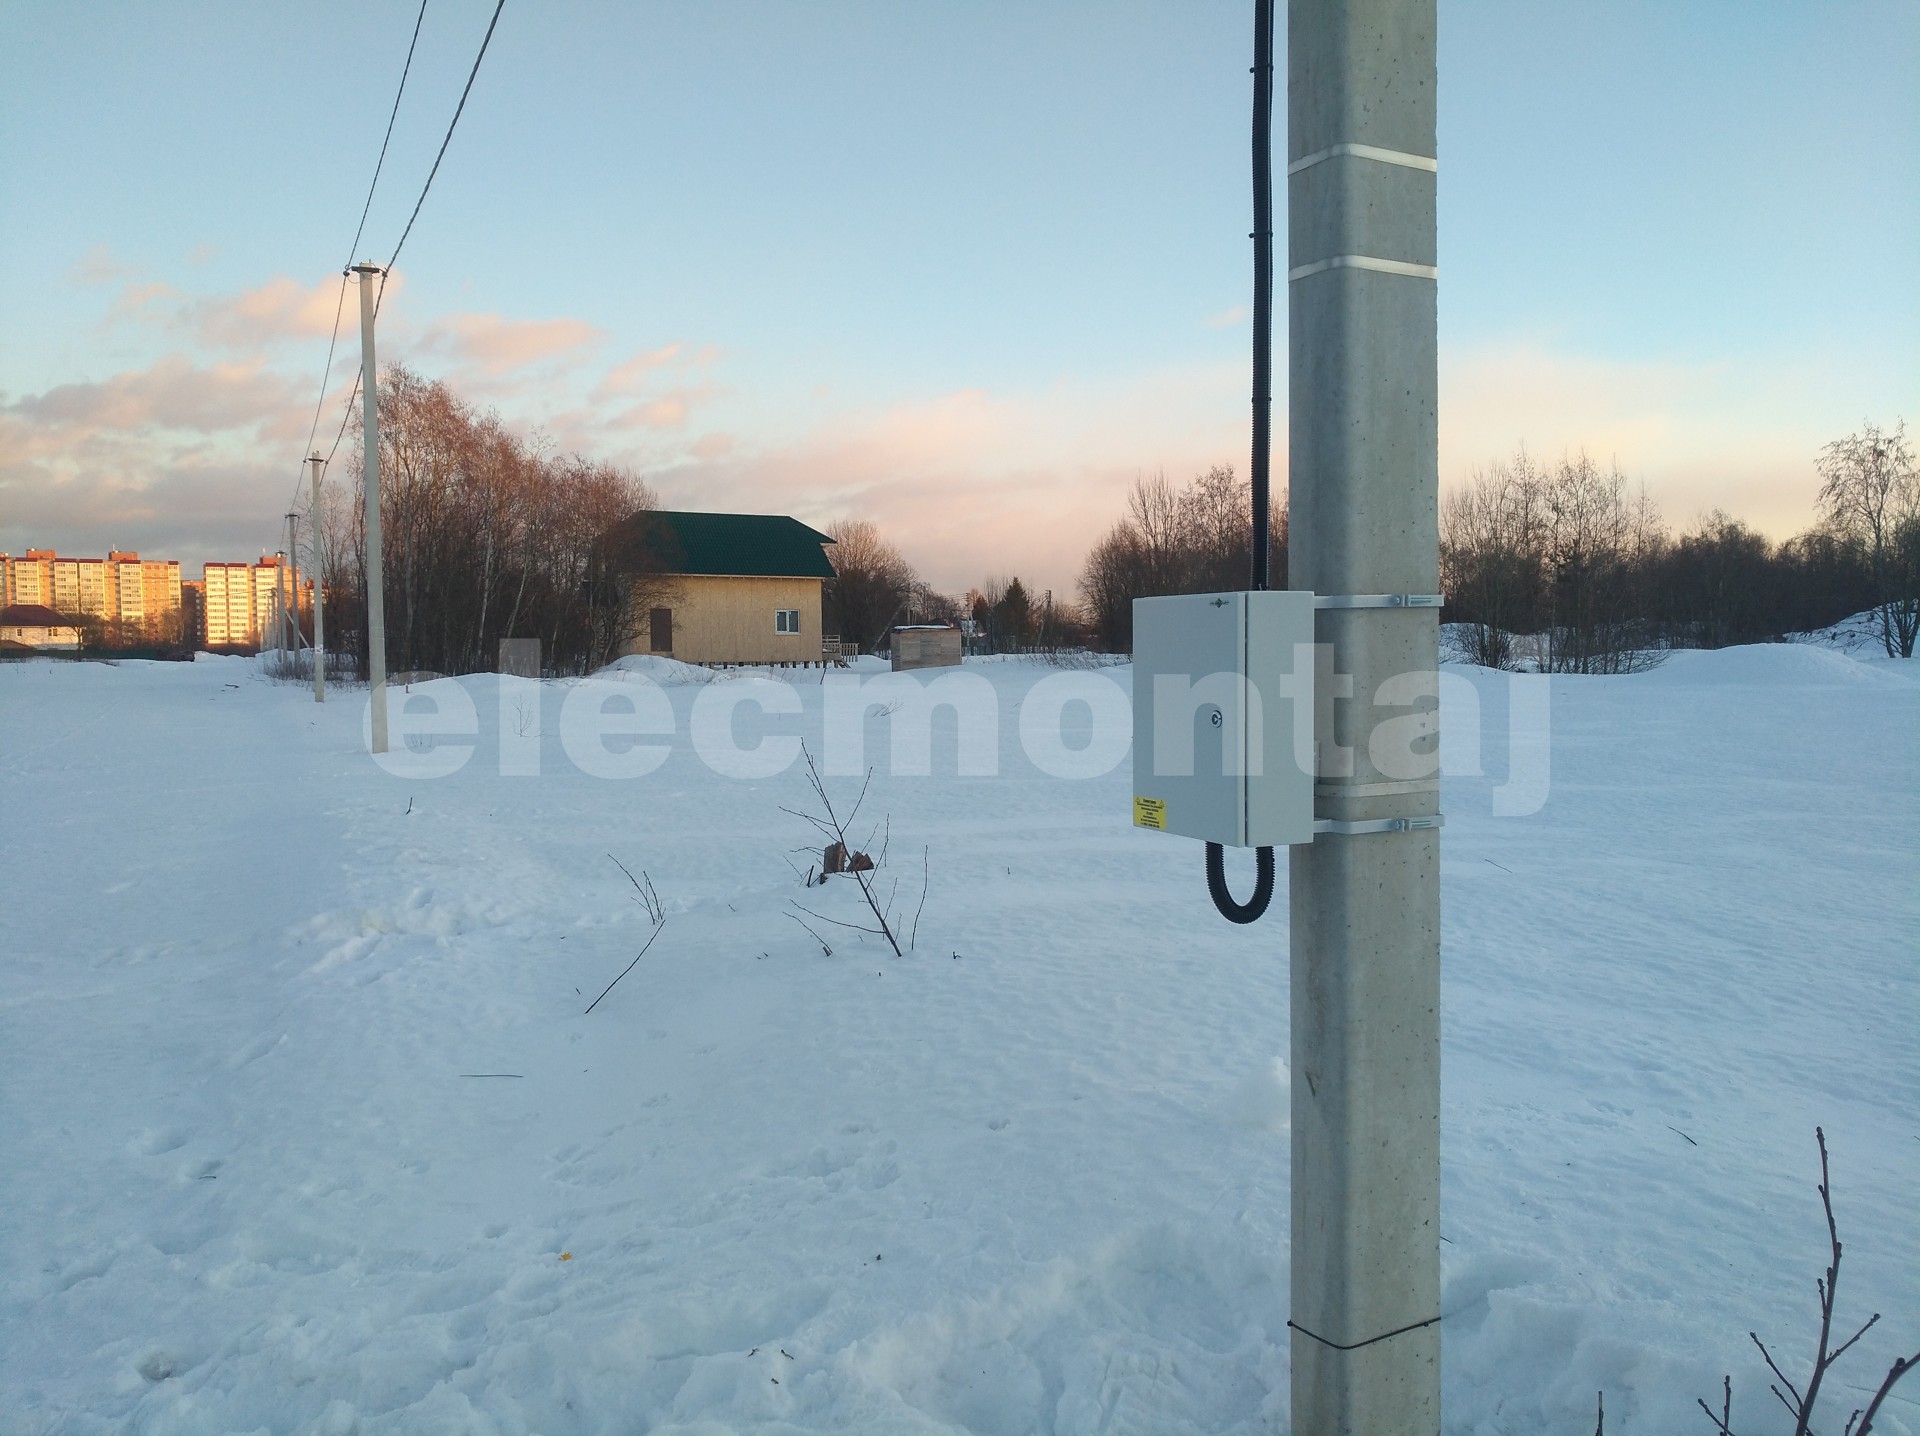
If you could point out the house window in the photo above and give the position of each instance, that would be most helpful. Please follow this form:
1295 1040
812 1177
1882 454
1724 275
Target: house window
786 620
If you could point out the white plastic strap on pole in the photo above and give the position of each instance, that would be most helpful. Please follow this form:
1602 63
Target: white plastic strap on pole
1379 600
1365 261
1376 790
1379 825
1366 152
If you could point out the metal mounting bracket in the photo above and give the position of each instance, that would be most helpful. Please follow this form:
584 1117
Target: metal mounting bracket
1379 600
1379 825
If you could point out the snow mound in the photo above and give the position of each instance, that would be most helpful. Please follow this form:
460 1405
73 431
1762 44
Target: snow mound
1158 1329
664 671
1857 633
1263 1101
1769 665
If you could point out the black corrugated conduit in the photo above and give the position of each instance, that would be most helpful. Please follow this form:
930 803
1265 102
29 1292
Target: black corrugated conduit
1262 236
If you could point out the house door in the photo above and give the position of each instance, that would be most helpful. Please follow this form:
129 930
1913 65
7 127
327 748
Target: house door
661 640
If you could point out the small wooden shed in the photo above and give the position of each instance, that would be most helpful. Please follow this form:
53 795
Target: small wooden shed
925 645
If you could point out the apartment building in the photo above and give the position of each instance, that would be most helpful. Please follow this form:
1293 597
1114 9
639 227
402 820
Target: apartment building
193 610
28 579
241 601
132 597
229 606
133 600
143 594
83 586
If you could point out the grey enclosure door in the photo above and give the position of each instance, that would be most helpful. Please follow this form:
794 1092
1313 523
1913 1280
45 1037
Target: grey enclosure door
661 640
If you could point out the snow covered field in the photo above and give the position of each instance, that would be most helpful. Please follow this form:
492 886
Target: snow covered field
263 1166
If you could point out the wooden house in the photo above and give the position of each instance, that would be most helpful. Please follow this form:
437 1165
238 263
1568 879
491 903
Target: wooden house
723 588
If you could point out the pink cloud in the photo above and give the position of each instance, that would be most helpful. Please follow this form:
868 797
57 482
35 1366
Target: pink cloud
1735 433
173 393
179 460
634 373
191 502
495 346
136 301
971 482
663 411
98 266
279 310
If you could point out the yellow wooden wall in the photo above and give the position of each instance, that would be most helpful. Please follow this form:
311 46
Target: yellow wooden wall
730 619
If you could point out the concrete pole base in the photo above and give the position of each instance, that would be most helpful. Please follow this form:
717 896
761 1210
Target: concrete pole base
1366 1135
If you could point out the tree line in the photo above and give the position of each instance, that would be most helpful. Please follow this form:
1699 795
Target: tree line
875 588
1565 566
1192 539
484 536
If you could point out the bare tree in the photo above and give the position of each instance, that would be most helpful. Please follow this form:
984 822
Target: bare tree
1868 493
927 605
1492 542
486 536
1565 554
1198 539
1721 583
872 583
1599 544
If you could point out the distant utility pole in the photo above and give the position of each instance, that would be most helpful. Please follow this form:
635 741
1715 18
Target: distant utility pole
280 602
319 585
1365 920
293 578
376 578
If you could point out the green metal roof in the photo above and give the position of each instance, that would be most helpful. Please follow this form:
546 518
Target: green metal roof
744 545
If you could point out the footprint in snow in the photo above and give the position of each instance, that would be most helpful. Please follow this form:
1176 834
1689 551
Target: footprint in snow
158 1141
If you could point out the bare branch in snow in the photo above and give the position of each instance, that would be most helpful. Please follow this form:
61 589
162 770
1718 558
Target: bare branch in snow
1801 1407
835 827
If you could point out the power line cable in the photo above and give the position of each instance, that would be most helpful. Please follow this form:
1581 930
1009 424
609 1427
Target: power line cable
381 162
339 305
498 7
347 416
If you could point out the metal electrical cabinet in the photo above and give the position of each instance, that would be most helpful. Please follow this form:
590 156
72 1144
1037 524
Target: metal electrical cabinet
1222 685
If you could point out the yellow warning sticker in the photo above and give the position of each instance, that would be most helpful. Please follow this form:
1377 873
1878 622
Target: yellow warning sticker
1150 813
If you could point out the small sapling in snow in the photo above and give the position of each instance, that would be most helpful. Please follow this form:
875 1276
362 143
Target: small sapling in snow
656 913
1799 1404
841 855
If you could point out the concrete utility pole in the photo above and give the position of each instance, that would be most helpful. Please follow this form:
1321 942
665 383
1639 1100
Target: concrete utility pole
376 578
1363 431
280 602
319 585
293 578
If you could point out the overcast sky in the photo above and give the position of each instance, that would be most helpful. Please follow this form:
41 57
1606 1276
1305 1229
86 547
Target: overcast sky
965 268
